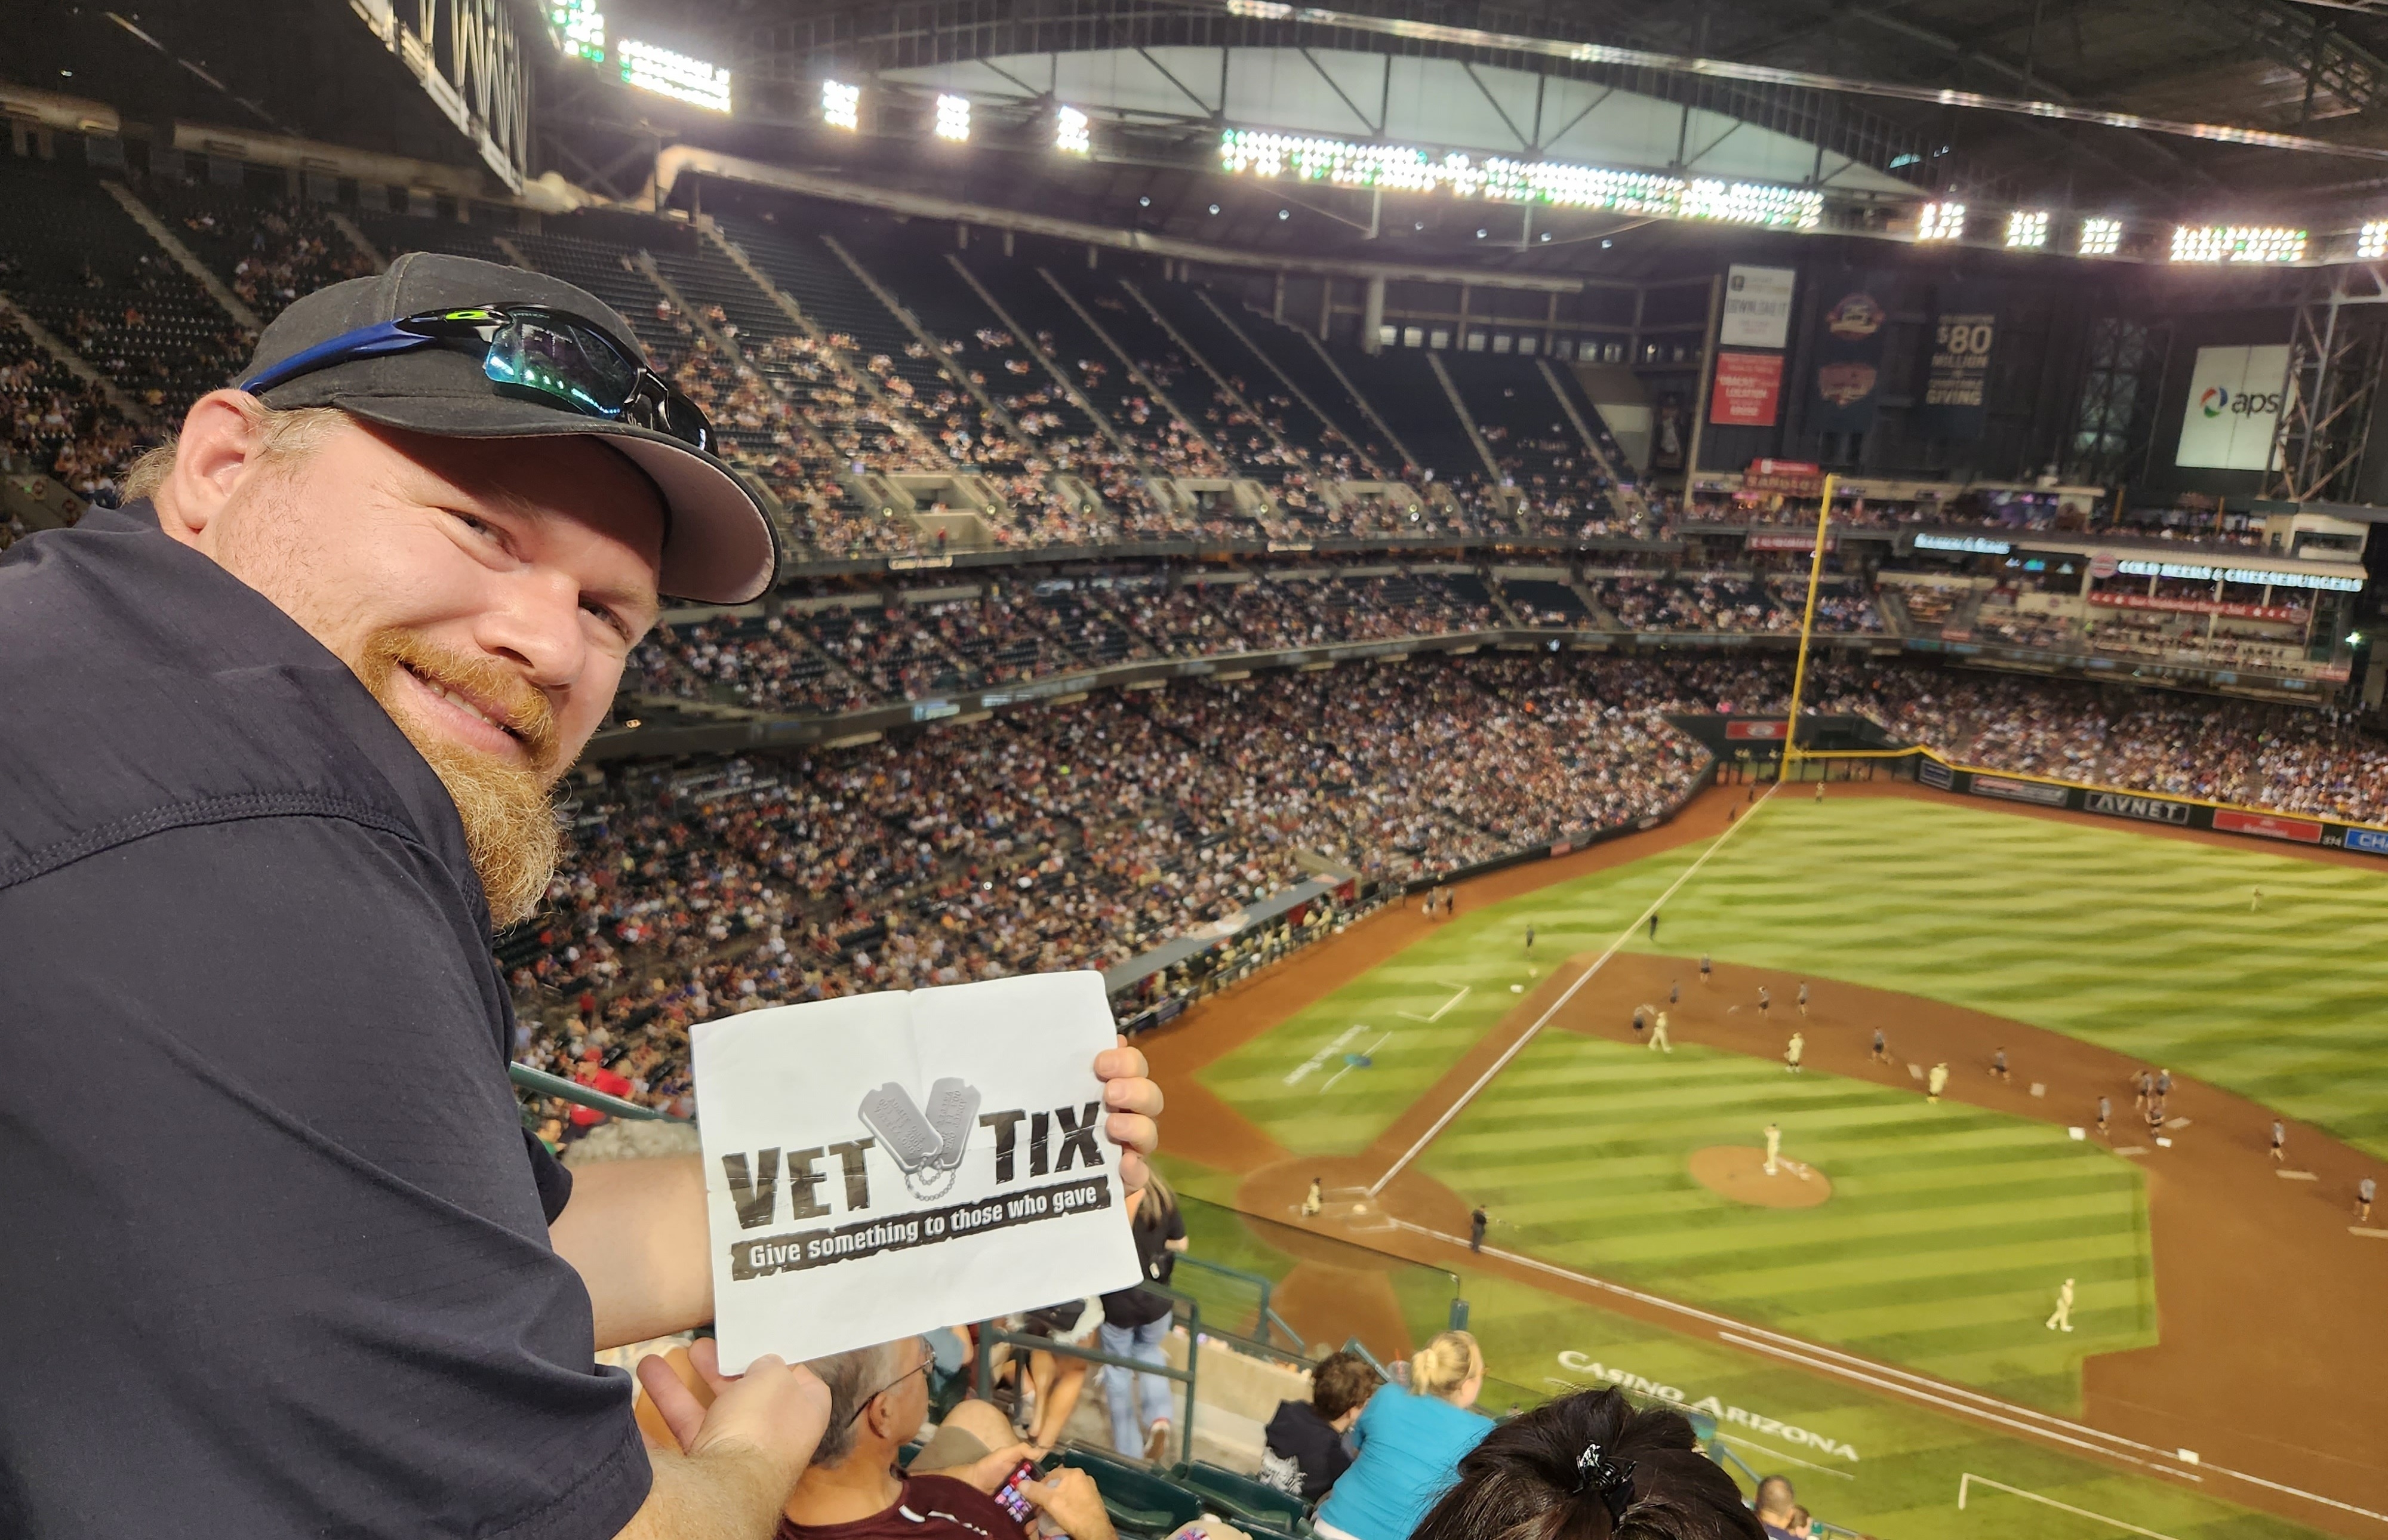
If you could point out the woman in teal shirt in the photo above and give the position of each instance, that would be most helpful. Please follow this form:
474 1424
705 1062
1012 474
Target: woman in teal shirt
1409 1444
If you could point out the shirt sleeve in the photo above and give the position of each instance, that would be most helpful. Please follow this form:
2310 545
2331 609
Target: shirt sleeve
269 1201
552 1178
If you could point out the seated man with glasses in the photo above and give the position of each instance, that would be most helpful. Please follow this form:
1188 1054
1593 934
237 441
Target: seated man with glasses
853 1490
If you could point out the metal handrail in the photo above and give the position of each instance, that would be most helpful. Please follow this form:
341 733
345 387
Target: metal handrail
990 1335
545 1084
1258 1281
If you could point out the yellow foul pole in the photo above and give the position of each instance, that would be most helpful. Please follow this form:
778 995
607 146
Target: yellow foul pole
1807 629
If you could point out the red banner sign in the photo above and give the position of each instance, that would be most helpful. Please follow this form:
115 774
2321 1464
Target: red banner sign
1747 390
1795 477
2198 607
1754 729
2303 831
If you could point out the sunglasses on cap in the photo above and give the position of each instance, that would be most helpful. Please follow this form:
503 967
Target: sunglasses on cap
550 355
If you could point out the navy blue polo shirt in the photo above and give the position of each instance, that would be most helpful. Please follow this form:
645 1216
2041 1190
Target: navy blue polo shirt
274 1250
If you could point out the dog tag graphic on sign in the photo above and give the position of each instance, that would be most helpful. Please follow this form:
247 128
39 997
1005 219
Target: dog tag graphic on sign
888 1112
953 1112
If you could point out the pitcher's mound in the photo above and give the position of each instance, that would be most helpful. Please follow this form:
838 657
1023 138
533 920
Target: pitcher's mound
1738 1172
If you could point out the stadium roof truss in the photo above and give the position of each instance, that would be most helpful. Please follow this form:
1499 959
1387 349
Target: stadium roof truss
1176 77
1995 100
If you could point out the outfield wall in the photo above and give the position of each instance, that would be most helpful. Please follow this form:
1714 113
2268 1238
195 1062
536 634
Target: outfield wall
2144 807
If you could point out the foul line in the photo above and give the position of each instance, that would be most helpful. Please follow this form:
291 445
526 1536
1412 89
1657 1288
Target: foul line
1966 1478
1901 1382
1597 964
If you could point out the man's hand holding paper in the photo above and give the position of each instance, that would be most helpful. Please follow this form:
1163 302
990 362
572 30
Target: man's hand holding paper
884 1164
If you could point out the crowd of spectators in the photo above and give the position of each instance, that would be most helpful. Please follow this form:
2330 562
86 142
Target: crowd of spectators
1057 837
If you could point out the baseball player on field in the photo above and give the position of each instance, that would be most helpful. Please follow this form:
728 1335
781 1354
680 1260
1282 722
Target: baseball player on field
1773 1147
1936 1083
1998 1064
2106 1110
1765 1001
2280 1141
1705 964
1674 992
1792 1051
1658 1035
1881 1047
2363 1192
1314 1200
1803 997
2063 1319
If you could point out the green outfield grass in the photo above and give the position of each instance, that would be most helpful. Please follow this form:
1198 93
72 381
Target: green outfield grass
1950 1225
2139 943
1902 1482
1949 1228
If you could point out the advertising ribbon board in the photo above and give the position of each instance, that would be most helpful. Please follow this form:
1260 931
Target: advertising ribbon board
1747 391
2153 809
1848 378
882 1163
1957 378
2224 608
2019 792
1768 731
1793 478
2303 831
1799 541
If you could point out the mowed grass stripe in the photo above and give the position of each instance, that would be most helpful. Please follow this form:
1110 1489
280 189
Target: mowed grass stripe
1948 1233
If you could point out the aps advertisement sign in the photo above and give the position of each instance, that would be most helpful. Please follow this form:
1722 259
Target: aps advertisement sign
2234 408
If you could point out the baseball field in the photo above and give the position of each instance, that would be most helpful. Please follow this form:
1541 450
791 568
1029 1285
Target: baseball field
1885 1291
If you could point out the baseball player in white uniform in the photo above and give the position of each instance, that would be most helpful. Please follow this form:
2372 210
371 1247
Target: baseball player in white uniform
1658 1034
1773 1147
2063 1319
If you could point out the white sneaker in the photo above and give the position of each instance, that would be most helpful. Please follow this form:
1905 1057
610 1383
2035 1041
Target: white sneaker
1156 1442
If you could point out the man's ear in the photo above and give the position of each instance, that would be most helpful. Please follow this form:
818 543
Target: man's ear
222 437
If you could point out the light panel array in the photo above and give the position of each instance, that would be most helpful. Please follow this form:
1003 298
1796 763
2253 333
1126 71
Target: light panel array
841 105
1940 221
2373 244
1405 168
2100 237
675 75
579 29
953 117
1071 135
2027 229
2237 243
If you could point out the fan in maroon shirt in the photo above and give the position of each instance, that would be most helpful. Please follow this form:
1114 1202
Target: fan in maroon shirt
878 1397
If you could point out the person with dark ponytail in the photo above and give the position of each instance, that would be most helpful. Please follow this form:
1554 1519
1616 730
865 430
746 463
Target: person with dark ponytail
1589 1467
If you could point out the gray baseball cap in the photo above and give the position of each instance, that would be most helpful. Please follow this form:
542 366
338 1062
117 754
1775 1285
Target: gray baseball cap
718 546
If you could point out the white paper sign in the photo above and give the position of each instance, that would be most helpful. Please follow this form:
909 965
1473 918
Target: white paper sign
885 1163
1757 306
2234 408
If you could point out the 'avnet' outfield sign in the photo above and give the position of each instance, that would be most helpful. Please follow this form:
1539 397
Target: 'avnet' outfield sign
2156 810
884 1164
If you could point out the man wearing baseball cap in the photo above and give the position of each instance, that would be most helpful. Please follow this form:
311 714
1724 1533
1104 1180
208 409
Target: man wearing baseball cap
276 1257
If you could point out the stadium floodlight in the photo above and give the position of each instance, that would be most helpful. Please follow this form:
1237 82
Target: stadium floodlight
953 117
578 28
2237 243
2373 244
841 105
1497 179
2100 237
675 75
2027 229
1070 132
1940 221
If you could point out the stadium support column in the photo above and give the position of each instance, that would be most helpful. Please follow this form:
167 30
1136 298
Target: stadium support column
1807 630
1372 316
1700 396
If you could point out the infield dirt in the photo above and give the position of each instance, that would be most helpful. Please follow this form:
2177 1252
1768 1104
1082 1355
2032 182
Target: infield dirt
2269 1360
